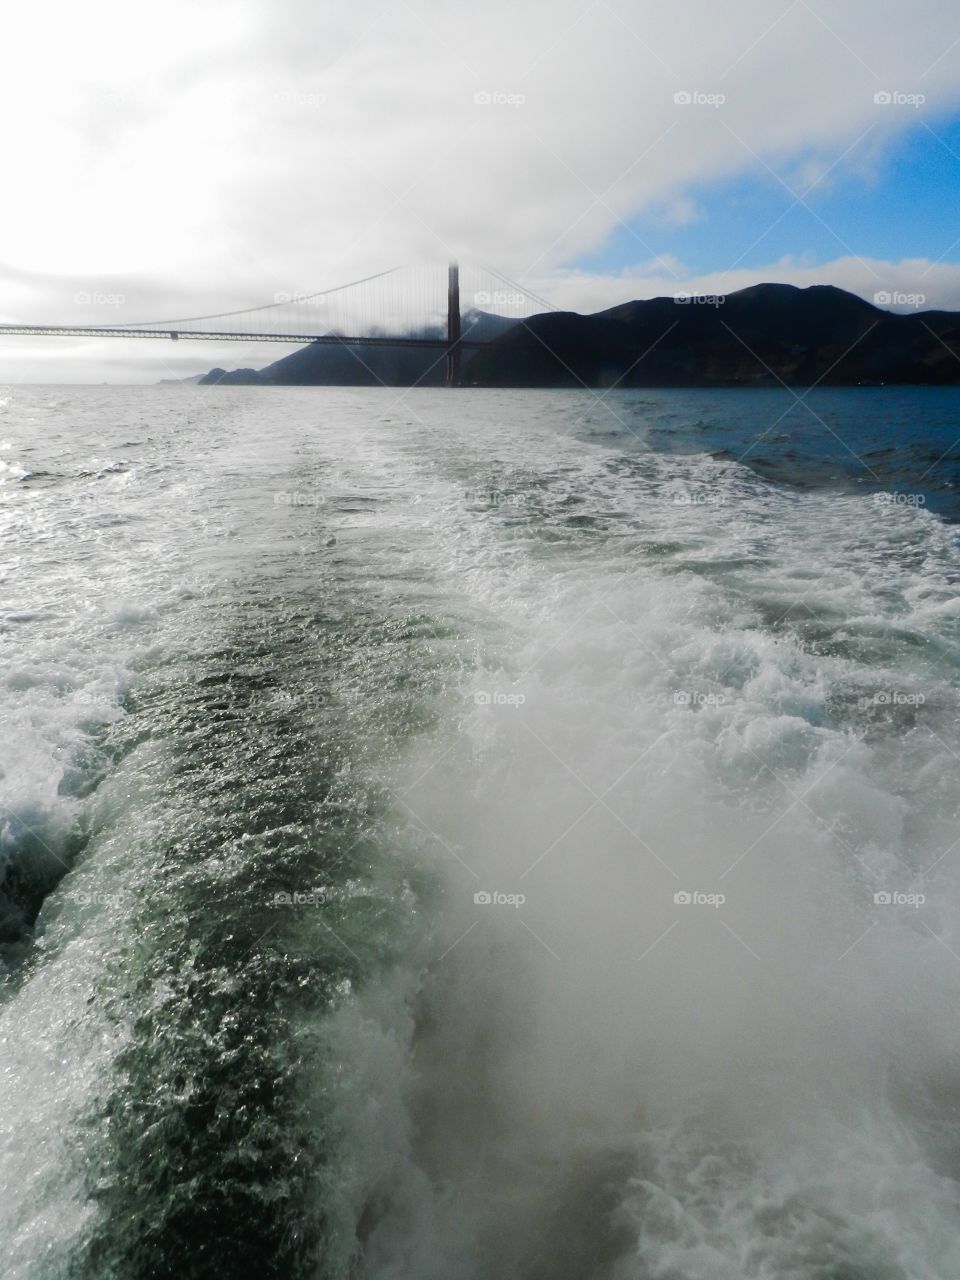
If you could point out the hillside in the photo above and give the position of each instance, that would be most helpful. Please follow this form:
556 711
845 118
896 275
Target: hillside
760 336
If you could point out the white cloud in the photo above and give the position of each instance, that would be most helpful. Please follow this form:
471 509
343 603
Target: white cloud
681 211
938 283
203 156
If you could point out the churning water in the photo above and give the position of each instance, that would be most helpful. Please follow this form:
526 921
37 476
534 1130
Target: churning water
479 836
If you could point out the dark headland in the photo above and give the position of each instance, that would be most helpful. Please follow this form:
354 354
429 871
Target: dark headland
762 336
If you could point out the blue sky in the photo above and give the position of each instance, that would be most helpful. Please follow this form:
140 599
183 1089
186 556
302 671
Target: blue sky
906 206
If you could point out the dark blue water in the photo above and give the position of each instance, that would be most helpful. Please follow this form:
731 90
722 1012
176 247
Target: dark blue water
903 441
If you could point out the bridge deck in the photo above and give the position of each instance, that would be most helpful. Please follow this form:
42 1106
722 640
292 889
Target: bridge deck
297 339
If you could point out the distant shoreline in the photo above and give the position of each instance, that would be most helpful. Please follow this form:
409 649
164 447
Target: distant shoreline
765 336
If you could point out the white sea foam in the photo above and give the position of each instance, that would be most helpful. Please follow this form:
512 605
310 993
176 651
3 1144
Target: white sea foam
742 1088
713 737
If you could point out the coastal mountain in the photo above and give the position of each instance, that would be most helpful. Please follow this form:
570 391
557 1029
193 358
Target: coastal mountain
322 365
760 336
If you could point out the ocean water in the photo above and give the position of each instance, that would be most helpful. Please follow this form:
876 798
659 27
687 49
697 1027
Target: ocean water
479 835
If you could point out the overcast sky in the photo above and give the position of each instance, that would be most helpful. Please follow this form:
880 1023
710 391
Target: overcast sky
189 157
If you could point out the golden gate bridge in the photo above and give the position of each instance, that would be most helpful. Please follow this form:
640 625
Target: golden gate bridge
447 308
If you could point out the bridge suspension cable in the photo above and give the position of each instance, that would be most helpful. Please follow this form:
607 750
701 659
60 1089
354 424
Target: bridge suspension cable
521 288
265 306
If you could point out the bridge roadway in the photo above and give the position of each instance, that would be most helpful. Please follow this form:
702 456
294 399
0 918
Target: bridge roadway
298 339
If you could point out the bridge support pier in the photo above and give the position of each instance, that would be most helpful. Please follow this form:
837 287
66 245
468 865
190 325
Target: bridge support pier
453 326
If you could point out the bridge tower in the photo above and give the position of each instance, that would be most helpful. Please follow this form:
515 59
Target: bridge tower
453 325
